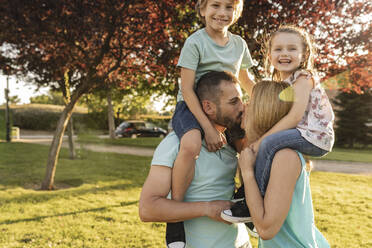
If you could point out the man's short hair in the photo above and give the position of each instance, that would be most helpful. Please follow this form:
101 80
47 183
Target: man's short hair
208 86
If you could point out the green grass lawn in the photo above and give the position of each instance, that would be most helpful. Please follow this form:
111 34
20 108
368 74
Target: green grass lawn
353 155
97 202
340 154
148 142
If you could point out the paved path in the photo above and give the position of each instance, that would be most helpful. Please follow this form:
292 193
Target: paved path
318 165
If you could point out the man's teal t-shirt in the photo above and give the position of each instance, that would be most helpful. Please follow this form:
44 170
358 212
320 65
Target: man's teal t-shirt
201 54
298 229
213 180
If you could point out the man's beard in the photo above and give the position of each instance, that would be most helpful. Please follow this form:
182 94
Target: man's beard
233 127
227 121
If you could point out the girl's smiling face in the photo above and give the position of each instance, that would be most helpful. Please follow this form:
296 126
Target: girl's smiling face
286 53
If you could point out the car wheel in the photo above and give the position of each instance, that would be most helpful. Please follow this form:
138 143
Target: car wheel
133 136
161 135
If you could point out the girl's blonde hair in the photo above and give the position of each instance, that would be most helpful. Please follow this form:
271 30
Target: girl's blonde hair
270 102
238 8
308 46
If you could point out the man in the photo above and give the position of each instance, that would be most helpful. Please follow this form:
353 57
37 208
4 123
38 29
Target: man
212 184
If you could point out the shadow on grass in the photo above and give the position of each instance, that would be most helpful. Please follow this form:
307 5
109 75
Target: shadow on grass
39 218
49 195
23 165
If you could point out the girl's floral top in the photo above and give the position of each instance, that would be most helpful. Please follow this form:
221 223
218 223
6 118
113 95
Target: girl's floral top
316 125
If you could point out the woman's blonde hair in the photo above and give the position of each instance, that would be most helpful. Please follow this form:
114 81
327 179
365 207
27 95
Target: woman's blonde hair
270 102
308 46
238 9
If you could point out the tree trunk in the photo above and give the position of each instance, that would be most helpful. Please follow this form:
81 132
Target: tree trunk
71 145
55 147
111 117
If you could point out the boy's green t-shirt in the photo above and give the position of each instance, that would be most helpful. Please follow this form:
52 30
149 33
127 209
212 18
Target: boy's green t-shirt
201 54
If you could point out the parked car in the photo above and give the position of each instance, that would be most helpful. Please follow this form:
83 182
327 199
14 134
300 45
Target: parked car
136 129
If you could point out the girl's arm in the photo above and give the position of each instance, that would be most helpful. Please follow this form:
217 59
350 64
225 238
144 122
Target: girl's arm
301 88
246 83
212 136
270 212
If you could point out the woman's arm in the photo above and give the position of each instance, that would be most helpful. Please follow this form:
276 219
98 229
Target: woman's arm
301 88
212 136
269 213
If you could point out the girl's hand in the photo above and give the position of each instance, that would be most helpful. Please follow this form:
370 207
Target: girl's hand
246 160
214 139
255 145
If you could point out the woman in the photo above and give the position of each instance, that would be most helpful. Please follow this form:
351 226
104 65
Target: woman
284 216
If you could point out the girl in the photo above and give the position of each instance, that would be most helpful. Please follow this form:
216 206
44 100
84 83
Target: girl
212 48
308 126
284 217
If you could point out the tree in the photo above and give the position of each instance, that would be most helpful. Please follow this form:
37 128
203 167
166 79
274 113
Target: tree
52 97
354 123
105 41
14 99
97 42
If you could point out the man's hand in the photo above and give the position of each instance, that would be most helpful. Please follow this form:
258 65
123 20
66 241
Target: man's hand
214 209
214 139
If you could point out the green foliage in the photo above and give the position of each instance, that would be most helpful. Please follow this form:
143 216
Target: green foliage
97 202
53 97
45 117
354 123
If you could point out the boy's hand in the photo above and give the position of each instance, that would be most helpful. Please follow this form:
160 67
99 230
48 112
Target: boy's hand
214 139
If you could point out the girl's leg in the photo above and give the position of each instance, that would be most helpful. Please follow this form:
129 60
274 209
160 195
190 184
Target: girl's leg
290 138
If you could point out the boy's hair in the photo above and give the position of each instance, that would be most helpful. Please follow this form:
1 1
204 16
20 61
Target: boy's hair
238 9
208 86
308 46
270 102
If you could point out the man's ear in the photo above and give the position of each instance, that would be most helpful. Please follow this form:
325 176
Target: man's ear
209 107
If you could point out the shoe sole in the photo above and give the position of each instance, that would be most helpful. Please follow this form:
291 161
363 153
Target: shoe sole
233 219
252 233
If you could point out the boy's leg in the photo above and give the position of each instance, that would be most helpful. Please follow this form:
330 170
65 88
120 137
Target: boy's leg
182 175
184 165
271 144
189 131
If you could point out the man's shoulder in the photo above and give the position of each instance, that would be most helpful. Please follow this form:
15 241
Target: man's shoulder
171 141
166 152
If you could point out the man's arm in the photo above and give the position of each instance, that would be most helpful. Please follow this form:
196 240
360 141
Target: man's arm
155 207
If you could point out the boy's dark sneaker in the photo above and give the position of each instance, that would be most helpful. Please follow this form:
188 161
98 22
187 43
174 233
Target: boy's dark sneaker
251 229
175 235
239 213
239 194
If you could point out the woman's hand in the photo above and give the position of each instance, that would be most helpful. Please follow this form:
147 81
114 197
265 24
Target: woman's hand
246 160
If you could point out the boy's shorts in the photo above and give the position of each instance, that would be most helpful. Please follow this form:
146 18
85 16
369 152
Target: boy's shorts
183 120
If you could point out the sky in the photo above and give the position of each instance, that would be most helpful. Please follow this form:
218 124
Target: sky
22 90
